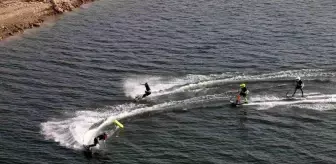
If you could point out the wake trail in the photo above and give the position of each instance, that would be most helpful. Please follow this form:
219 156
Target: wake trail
170 85
312 99
70 132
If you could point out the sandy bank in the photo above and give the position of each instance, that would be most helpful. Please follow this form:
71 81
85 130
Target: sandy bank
17 15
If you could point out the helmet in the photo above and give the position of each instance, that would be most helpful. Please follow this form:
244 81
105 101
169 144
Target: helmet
298 78
242 85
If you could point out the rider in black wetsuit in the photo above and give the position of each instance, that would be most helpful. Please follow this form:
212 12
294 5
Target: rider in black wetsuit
148 90
299 85
96 140
243 92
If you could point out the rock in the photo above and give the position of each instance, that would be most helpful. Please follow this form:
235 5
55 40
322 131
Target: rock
32 11
15 30
36 24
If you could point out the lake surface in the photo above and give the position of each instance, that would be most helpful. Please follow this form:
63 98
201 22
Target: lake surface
86 68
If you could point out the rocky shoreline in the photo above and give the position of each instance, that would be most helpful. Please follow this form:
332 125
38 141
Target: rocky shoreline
18 15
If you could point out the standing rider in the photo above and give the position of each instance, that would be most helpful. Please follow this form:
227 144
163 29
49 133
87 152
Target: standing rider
102 136
148 90
299 85
243 92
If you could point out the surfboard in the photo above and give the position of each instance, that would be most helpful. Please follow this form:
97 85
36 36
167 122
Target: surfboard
86 148
118 123
138 98
234 104
289 97
295 98
92 150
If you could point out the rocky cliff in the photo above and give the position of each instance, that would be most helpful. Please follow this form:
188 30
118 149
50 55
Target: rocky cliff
18 15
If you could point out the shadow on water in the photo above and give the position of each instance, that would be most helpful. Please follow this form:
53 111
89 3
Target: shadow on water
242 115
100 157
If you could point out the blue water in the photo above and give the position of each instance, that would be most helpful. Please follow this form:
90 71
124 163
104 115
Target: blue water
86 67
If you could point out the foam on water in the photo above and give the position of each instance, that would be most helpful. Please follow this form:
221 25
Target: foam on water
314 100
70 132
319 107
166 85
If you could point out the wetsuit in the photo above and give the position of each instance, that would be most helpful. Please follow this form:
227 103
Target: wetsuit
299 85
96 140
243 92
147 92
